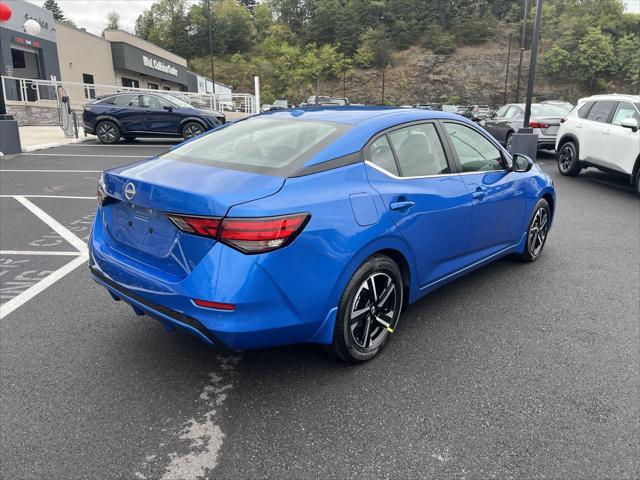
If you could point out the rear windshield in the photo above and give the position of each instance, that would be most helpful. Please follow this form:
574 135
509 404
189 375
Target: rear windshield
547 110
260 144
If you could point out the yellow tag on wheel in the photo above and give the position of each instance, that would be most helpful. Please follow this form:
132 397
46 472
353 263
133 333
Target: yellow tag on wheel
390 330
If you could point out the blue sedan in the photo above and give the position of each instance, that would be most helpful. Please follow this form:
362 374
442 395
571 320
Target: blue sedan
313 225
131 115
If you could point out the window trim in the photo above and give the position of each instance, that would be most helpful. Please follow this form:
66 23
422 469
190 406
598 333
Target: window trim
505 158
615 110
439 131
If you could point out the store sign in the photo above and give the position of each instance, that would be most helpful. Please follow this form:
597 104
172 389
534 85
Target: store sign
159 65
27 41
43 22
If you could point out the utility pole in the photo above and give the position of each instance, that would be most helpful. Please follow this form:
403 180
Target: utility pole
213 76
506 76
532 63
522 43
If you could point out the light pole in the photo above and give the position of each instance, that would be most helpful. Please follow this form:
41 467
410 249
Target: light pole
213 77
525 141
506 76
522 41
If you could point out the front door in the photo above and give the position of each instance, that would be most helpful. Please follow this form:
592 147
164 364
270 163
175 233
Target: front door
429 204
620 145
499 202
159 115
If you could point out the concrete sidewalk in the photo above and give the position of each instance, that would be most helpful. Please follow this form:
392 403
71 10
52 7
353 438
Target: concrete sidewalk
37 138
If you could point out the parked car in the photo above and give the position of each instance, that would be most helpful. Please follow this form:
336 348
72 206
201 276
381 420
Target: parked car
450 108
462 109
422 106
560 103
265 107
279 105
321 232
545 120
131 115
602 132
477 113
319 101
342 101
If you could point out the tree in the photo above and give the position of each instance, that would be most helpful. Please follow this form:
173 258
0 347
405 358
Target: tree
595 58
113 21
374 50
167 24
627 65
557 62
54 8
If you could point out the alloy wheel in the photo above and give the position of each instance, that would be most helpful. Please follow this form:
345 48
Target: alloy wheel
107 132
192 130
373 311
538 231
566 158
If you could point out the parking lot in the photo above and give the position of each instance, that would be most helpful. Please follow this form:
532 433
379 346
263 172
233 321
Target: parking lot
517 370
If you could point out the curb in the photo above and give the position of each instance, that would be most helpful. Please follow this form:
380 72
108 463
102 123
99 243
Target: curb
43 146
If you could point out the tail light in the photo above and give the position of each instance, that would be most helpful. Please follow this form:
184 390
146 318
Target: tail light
534 124
101 191
248 235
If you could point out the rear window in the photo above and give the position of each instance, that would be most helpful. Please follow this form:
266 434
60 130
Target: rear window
262 145
546 110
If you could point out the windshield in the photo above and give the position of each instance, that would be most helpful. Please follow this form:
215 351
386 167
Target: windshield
548 110
265 145
177 101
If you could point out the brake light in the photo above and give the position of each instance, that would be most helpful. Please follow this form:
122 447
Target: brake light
248 235
535 124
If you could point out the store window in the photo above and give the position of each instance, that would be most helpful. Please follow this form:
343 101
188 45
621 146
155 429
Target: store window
18 58
166 88
130 83
89 91
152 86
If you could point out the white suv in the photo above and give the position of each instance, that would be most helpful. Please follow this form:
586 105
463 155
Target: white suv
602 132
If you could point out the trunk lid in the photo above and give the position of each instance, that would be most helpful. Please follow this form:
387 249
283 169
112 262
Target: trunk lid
552 124
143 193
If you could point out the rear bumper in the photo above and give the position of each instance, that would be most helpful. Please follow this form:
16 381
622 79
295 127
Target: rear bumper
547 141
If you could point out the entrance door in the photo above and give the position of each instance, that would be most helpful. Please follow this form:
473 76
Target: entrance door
26 64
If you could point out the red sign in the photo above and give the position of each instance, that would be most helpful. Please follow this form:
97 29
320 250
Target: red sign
26 41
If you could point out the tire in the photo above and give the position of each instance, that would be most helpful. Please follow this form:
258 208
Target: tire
537 232
191 129
508 142
568 162
637 182
108 132
363 326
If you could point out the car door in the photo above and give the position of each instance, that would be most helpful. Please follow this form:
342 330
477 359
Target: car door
159 115
495 124
128 112
593 141
425 197
498 193
620 146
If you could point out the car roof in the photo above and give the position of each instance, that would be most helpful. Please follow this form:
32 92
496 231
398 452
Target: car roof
611 96
350 115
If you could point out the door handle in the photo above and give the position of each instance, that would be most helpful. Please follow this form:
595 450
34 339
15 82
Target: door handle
402 205
480 193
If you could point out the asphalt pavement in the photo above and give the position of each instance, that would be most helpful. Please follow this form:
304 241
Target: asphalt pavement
515 371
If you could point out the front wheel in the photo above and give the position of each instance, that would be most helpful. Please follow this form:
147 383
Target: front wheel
369 310
192 129
537 231
568 162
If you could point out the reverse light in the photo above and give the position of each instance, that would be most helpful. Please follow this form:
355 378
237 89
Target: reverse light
248 235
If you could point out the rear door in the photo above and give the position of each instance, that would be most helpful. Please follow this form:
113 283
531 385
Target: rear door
498 196
128 112
593 143
424 196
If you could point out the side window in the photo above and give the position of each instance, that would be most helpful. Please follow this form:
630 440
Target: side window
151 101
583 111
625 110
513 112
382 155
126 101
419 151
600 111
502 111
475 152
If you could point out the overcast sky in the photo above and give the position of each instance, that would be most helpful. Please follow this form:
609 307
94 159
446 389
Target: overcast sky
91 14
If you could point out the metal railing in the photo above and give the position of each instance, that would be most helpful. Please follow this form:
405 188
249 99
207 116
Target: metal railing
45 93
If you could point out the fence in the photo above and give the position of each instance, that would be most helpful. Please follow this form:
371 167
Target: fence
44 93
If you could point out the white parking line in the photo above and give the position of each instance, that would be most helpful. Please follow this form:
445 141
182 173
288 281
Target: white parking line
46 282
51 171
49 196
81 155
54 224
39 252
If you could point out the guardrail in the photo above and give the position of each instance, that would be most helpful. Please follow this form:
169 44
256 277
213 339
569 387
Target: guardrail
35 92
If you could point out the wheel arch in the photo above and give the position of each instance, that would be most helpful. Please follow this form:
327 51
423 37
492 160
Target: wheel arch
186 120
568 137
636 169
111 118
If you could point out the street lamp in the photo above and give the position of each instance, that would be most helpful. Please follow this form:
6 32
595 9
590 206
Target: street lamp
525 141
522 40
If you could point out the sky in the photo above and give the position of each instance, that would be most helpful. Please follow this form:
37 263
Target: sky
91 14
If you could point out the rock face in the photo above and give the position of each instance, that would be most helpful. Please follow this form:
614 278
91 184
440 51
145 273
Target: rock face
470 75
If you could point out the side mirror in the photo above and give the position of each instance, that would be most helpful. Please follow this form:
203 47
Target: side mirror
631 123
168 108
521 163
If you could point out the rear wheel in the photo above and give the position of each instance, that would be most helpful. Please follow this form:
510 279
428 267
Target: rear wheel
508 144
568 163
369 310
537 231
108 132
191 129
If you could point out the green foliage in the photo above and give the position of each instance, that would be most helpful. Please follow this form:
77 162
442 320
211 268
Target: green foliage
55 9
113 21
557 62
